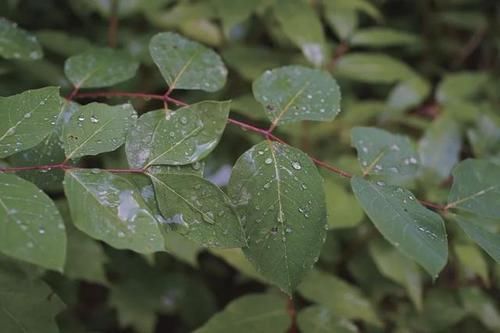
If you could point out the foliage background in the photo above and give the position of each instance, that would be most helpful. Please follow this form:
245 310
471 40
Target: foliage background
429 72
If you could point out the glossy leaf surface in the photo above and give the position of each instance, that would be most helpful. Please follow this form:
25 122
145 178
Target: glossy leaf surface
99 68
294 93
32 228
278 193
177 138
96 128
416 231
382 153
198 209
28 118
16 43
109 208
478 231
476 188
186 64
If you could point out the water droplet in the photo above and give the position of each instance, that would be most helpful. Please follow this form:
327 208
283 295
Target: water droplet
81 118
395 147
94 120
296 165
379 183
27 115
184 120
268 160
209 217
41 230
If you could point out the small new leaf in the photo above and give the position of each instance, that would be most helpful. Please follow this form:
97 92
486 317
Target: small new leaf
186 64
294 93
16 43
476 188
384 154
99 68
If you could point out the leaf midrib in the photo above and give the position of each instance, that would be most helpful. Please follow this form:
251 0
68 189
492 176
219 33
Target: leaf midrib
280 212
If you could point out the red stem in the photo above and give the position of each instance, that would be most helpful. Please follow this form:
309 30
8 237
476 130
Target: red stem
109 94
293 316
266 133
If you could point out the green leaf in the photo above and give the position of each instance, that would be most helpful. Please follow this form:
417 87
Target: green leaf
97 128
82 246
49 151
182 248
344 21
341 298
294 93
175 244
279 195
439 148
472 261
236 258
477 303
32 228
176 138
342 207
99 68
476 188
63 43
16 43
382 37
251 61
28 304
232 13
302 25
372 68
27 119
460 86
441 311
416 231
384 154
109 208
398 268
186 64
363 6
251 313
317 319
198 209
342 15
409 93
478 231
